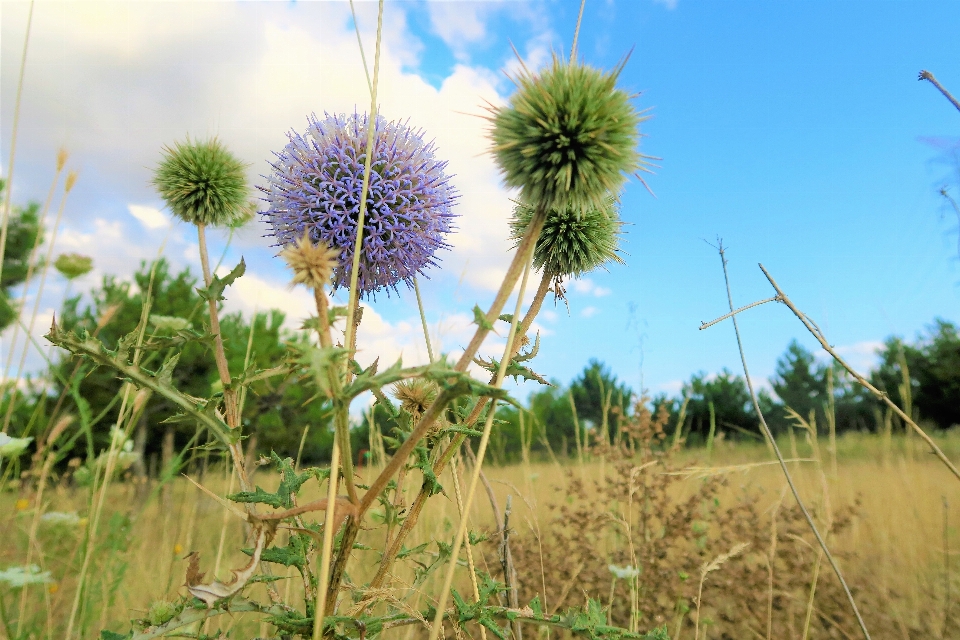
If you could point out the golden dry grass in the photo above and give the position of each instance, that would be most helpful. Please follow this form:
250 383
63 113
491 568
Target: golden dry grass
892 552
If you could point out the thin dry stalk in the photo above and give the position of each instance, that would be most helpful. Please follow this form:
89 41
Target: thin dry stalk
68 186
13 140
880 395
776 449
710 567
929 77
32 260
482 449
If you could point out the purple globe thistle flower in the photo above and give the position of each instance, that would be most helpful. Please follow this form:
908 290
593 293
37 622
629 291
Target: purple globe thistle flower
316 187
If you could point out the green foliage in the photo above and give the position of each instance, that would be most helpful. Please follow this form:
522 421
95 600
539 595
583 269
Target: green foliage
933 367
23 228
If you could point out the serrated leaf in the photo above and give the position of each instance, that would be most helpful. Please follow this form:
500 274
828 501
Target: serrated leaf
258 497
480 319
218 285
93 349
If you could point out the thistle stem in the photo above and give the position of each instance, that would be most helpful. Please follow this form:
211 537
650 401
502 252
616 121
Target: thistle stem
229 395
413 514
423 319
477 467
520 259
326 548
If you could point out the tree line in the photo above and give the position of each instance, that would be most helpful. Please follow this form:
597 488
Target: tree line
922 376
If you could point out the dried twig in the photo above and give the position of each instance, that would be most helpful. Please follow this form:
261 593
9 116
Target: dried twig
773 442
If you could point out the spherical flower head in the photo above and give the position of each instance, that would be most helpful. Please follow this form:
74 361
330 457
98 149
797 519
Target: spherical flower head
567 137
203 183
574 241
312 264
316 186
73 265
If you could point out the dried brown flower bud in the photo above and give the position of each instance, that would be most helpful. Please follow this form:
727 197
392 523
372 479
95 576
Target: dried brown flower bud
312 264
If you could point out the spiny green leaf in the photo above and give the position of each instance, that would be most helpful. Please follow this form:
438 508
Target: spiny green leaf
259 497
480 319
218 285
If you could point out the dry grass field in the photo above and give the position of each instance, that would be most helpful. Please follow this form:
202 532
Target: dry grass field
892 510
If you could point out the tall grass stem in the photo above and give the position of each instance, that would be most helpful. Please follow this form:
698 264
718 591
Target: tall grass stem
776 449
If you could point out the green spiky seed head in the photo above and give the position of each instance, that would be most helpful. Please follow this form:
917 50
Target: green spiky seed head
574 241
73 265
203 183
568 136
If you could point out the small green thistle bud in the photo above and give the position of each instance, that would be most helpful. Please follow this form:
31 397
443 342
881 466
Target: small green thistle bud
73 265
161 612
574 241
568 136
203 183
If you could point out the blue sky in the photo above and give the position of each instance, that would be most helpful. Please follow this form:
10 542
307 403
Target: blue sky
795 131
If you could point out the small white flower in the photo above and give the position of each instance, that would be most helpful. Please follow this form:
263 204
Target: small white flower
55 518
12 447
17 577
624 573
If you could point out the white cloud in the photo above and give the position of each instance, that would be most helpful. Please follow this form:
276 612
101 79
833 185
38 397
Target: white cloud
150 217
587 286
116 81
589 312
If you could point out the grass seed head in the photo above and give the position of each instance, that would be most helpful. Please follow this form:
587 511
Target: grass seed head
203 183
567 137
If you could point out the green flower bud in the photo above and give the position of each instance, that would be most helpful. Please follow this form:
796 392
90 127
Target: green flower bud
203 183
574 241
568 136
73 265
161 612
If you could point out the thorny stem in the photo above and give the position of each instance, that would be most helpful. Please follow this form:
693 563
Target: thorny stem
813 329
434 410
481 451
413 513
229 394
776 450
926 75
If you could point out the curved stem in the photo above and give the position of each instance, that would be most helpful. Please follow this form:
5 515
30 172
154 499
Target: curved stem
436 408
